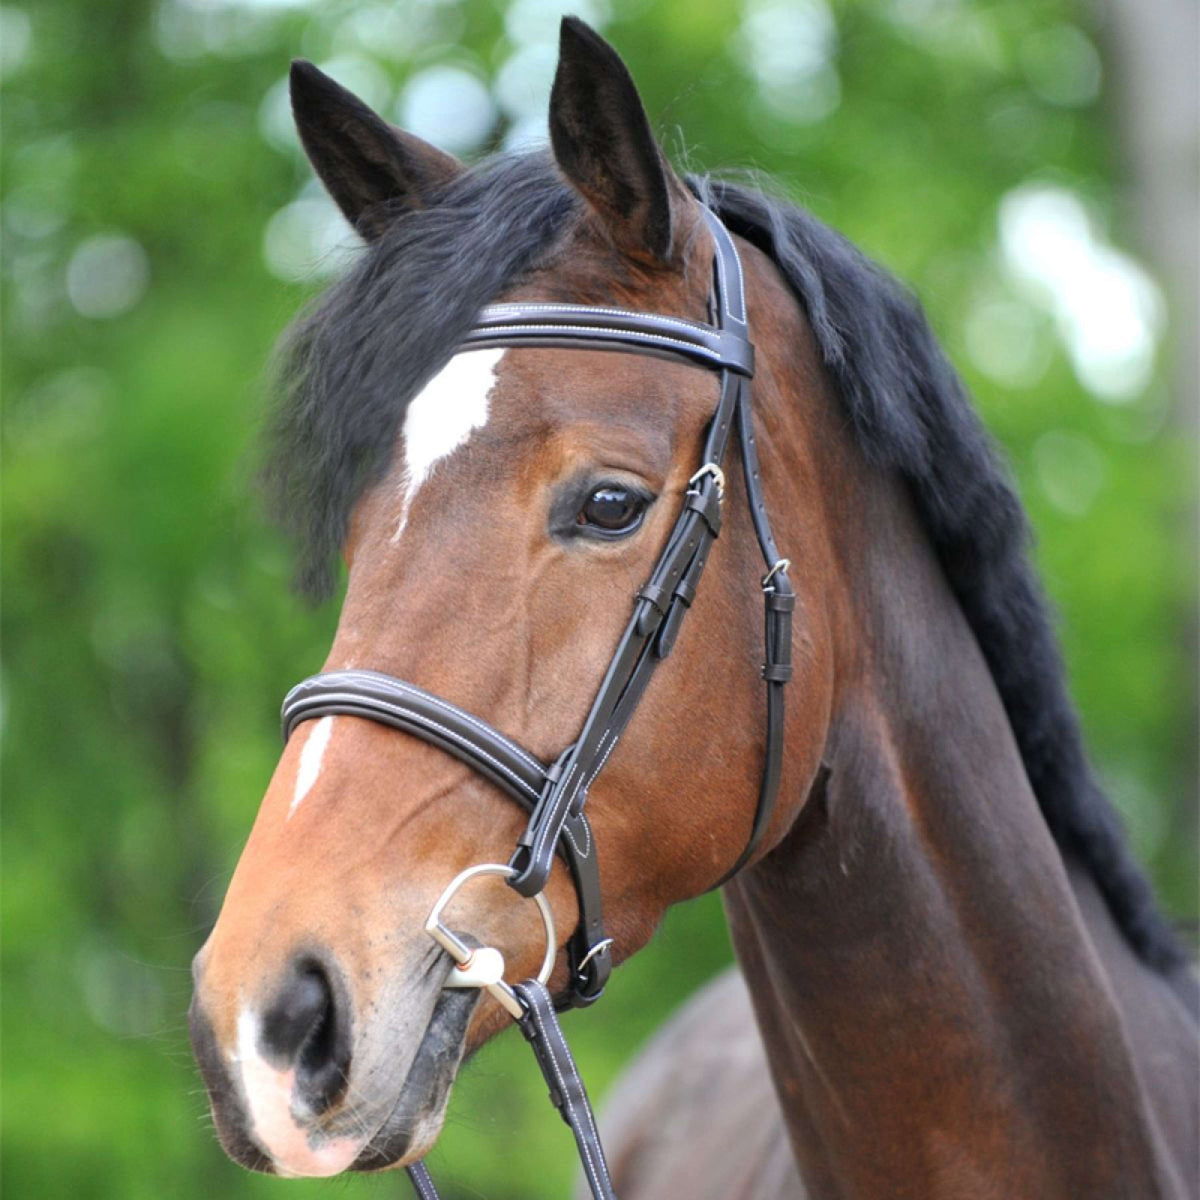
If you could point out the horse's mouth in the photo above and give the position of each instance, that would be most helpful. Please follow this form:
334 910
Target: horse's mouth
405 1134
415 1120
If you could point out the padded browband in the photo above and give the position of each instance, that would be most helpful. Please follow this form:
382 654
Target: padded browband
576 326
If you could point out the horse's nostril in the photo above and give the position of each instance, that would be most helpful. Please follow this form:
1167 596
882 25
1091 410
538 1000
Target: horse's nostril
305 1029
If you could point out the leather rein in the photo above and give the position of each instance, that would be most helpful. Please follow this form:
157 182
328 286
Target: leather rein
555 794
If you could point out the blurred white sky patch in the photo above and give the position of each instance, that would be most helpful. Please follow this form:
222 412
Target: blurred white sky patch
1108 311
390 31
308 240
16 39
275 121
107 275
522 84
530 22
447 105
789 46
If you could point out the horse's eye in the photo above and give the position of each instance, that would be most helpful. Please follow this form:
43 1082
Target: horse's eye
612 510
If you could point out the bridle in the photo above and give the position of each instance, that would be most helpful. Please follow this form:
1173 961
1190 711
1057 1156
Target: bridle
556 794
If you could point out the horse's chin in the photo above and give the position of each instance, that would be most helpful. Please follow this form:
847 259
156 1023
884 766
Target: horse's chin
411 1128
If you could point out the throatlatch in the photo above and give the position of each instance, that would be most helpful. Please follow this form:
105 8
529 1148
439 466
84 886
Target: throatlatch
556 793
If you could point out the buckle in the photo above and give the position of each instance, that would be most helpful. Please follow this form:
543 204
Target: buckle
781 565
717 474
599 948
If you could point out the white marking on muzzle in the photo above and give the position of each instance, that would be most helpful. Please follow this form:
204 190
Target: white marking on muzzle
443 415
271 1105
310 760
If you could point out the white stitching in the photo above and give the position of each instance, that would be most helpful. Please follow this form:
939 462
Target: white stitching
681 322
398 686
482 726
599 1172
638 335
587 839
544 832
600 764
457 738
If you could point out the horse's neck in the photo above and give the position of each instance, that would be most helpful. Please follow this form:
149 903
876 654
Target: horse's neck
936 1018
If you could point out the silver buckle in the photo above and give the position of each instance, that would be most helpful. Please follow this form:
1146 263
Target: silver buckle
483 966
717 474
781 565
602 945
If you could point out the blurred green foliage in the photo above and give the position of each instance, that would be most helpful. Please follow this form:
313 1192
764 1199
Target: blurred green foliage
152 200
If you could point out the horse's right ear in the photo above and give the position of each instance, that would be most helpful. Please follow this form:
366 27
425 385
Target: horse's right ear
370 168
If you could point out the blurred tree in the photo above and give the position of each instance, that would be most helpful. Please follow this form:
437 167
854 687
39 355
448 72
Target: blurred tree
160 227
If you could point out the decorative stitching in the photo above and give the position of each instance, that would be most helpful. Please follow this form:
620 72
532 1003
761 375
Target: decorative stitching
552 818
385 681
682 322
611 746
587 839
698 349
599 1172
398 687
352 701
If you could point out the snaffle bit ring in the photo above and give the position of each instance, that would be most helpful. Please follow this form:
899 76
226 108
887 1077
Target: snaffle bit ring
483 966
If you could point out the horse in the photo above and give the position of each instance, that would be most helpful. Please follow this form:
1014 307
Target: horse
954 980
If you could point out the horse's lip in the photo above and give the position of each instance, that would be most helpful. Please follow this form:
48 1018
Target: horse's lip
427 1085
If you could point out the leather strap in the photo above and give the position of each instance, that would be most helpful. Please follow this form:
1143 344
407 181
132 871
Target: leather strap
581 326
567 1093
542 1031
422 1181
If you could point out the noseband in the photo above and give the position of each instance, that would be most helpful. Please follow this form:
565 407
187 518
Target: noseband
556 793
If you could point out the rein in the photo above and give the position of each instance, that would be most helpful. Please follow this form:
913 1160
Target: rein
555 794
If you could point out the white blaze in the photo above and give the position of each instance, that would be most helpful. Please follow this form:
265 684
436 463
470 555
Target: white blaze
443 415
310 760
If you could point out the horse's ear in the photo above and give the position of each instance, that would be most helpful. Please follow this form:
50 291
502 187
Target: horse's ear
603 143
370 168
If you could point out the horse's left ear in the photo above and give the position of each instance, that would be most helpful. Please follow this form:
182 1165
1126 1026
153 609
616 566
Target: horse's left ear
603 143
372 169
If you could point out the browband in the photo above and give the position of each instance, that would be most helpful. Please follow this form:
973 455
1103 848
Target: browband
622 329
556 793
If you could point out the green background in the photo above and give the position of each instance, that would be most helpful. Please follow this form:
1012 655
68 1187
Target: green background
148 628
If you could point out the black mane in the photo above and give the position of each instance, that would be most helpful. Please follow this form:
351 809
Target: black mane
351 364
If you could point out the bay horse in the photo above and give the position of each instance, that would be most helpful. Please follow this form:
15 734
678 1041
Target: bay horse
959 983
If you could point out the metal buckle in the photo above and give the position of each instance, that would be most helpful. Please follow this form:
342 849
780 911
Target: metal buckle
483 966
781 565
602 945
713 470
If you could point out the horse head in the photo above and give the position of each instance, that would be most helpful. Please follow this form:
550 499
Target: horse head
498 509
